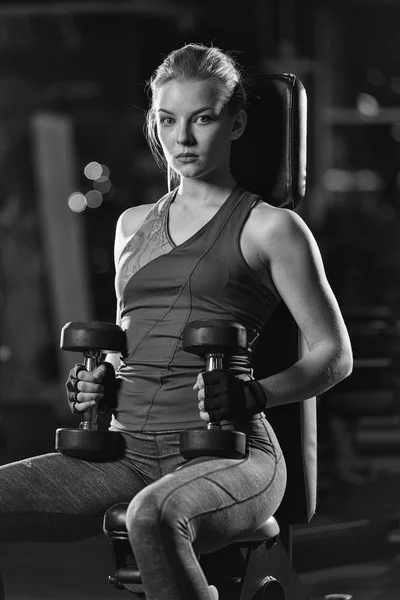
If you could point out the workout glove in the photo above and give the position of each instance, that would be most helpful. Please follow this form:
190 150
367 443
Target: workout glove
229 398
110 382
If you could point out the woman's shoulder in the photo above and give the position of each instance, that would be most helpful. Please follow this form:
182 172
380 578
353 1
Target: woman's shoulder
275 220
131 219
128 223
277 229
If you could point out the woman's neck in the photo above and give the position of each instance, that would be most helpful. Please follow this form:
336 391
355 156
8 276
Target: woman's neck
194 192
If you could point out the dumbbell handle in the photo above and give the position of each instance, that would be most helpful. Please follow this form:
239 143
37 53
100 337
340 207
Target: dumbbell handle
91 359
214 360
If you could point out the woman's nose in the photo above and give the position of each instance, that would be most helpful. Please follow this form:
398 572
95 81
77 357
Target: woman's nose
185 135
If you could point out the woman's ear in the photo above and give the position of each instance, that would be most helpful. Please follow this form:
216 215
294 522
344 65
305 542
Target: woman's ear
239 124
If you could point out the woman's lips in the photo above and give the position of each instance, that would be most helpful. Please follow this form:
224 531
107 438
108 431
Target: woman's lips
186 158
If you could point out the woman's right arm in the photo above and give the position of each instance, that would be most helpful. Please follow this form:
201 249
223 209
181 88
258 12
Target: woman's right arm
85 389
128 223
119 243
113 357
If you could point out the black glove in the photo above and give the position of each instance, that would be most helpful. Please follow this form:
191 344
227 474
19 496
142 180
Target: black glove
229 398
110 382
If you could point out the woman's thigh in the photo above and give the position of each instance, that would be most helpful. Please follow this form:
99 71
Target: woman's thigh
213 501
58 498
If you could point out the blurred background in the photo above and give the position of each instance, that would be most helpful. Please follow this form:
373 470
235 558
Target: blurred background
73 157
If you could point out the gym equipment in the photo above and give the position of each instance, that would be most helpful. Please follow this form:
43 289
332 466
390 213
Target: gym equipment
93 339
213 339
261 566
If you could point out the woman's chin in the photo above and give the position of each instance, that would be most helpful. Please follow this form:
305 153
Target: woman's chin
189 170
198 173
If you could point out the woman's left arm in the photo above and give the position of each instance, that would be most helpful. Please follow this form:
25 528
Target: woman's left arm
296 267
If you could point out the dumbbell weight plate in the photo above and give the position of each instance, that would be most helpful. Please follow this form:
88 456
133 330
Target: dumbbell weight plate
89 444
97 336
223 443
218 335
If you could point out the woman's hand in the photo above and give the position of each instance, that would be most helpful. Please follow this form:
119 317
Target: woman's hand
86 389
199 385
224 397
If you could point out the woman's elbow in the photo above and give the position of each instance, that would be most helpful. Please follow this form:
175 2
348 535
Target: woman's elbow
345 363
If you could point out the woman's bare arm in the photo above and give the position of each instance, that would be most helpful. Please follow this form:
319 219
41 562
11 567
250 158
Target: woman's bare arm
121 237
128 222
297 270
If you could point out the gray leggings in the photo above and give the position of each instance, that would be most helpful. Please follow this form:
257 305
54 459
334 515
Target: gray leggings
173 515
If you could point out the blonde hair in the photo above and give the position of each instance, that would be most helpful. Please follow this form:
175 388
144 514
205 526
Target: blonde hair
194 62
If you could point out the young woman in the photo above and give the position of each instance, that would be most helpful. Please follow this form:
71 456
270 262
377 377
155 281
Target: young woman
206 250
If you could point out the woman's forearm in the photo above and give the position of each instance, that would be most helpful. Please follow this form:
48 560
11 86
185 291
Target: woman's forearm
314 374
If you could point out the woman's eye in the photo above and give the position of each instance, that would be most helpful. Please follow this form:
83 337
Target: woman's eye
204 119
166 121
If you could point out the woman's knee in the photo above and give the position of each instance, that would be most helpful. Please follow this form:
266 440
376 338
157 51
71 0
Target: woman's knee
143 511
151 511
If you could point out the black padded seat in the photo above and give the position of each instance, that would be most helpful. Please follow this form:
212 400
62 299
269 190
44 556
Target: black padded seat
115 518
115 523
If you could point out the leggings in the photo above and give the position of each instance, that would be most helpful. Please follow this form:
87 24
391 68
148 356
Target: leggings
173 515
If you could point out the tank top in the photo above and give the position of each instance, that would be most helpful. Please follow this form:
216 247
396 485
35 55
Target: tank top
161 288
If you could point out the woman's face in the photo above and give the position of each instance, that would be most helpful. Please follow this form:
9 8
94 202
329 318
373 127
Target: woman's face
194 128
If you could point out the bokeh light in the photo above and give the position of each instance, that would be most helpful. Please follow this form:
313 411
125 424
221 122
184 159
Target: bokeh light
375 76
105 172
342 180
395 131
395 85
77 202
102 186
93 170
367 105
368 180
94 199
5 353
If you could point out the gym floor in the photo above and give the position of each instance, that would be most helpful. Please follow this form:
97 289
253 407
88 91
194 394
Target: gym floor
79 572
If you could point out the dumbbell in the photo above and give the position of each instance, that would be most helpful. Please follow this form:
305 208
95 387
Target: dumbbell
213 339
92 338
